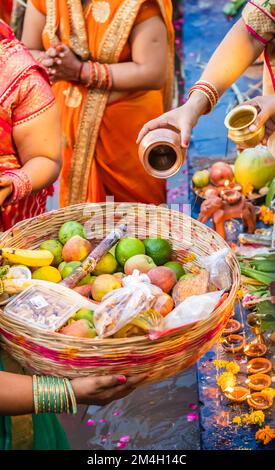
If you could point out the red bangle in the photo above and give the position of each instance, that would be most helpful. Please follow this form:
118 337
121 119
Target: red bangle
22 185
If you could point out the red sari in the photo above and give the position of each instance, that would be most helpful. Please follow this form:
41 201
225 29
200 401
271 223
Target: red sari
5 10
24 94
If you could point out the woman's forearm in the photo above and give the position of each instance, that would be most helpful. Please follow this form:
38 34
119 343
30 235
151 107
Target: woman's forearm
16 394
42 171
37 54
237 51
129 76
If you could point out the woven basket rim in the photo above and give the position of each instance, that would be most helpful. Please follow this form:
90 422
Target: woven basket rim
137 339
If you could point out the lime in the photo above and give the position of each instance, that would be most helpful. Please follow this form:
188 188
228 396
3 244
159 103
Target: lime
69 230
47 273
69 268
159 249
176 267
55 247
186 276
107 265
89 279
127 248
84 314
201 178
61 266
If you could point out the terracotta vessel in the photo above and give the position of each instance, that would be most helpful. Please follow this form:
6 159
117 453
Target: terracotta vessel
259 381
237 393
160 153
238 122
259 365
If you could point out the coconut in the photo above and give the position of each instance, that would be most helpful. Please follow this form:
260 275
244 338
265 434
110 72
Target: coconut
254 167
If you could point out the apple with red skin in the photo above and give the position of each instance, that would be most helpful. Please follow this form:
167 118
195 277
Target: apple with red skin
220 172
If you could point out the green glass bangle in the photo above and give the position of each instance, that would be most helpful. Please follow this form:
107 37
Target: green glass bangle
66 396
49 393
57 394
35 395
46 393
41 395
62 394
51 403
72 397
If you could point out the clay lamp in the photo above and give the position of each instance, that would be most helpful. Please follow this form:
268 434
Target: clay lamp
233 343
237 393
232 326
258 381
259 365
260 400
255 350
231 196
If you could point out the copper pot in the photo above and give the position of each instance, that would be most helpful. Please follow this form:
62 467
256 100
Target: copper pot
238 122
160 153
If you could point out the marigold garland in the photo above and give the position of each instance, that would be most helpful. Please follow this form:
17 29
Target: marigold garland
255 417
265 435
230 366
226 380
266 215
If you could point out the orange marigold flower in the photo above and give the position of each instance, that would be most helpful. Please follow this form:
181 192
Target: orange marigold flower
265 435
237 420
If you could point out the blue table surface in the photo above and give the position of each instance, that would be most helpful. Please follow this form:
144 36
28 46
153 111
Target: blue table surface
204 19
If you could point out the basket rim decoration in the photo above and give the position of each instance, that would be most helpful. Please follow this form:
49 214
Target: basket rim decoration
56 354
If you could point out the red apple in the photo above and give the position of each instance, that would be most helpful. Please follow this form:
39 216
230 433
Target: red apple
220 172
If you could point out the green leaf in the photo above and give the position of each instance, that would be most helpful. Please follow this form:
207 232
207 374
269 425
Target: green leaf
271 194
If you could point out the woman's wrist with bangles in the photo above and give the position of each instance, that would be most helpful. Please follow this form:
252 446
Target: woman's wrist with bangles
207 90
96 75
21 183
53 395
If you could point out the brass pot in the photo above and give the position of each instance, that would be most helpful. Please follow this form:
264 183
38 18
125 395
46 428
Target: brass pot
238 122
160 153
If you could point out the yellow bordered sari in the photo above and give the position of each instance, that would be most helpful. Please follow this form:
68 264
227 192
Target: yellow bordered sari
90 137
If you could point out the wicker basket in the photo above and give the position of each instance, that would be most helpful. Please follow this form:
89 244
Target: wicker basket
52 353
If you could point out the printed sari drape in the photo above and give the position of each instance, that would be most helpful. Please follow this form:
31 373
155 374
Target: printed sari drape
24 94
259 17
5 10
99 151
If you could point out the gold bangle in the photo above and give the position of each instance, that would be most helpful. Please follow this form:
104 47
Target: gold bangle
49 393
211 87
54 395
208 90
206 95
67 397
61 395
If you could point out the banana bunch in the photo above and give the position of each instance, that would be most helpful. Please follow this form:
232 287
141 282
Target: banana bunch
31 258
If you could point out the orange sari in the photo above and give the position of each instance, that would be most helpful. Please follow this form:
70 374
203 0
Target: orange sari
100 155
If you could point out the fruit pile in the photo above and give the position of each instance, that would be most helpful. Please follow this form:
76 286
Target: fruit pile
57 259
253 171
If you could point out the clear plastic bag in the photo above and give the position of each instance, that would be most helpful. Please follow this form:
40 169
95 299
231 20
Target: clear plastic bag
120 306
218 267
192 309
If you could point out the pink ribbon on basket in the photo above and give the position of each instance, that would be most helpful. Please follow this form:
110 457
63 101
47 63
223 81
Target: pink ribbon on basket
132 358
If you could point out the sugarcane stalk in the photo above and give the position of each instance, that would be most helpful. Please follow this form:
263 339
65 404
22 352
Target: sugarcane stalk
94 257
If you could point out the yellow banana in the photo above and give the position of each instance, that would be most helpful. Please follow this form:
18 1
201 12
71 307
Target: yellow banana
32 258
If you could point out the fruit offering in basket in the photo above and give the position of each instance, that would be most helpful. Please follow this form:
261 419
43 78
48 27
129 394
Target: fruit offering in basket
129 285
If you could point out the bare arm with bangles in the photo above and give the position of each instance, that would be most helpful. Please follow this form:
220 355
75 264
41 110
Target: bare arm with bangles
30 137
22 394
237 51
146 71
